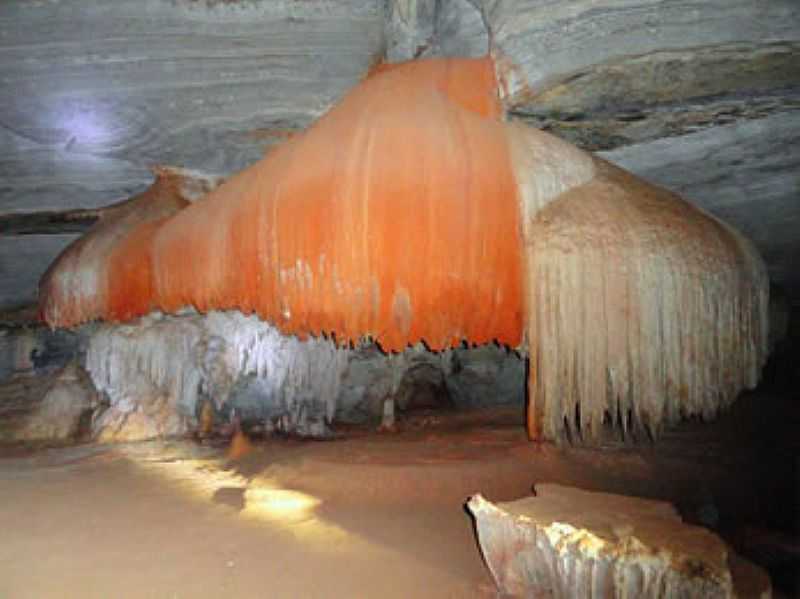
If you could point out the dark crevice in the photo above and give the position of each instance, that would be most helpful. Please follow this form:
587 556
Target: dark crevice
48 223
603 132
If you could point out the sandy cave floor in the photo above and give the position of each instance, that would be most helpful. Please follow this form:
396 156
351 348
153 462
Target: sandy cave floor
367 515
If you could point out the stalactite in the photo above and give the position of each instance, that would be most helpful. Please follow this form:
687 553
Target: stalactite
185 356
643 309
439 224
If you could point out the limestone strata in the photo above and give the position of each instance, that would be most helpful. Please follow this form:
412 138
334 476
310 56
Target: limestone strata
566 542
111 88
746 166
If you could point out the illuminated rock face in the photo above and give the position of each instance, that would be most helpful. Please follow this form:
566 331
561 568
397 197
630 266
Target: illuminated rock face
412 212
158 372
566 542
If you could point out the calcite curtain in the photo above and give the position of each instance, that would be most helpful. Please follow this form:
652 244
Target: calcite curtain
414 212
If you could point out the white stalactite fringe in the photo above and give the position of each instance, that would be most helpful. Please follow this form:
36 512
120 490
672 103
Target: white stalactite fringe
642 310
183 356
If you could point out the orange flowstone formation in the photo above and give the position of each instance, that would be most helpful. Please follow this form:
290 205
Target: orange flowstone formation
413 212
395 216
77 286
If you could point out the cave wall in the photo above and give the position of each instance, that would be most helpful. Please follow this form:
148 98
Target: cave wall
699 96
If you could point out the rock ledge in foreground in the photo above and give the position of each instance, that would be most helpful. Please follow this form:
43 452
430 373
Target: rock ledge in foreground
566 542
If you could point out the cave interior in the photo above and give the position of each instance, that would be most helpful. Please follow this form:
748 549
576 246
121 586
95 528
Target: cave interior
554 243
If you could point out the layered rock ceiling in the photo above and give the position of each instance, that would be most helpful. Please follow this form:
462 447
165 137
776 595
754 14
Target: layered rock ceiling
698 96
701 97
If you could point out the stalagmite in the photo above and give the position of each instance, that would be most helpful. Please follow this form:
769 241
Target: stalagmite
413 212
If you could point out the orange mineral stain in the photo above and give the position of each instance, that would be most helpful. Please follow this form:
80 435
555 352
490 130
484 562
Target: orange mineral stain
394 216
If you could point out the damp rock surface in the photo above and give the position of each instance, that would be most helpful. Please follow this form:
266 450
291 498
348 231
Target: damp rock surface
55 407
30 348
567 542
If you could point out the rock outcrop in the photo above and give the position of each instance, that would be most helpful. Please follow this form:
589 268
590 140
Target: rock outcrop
566 542
52 408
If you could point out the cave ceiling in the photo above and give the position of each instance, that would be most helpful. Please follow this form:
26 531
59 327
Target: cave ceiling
700 96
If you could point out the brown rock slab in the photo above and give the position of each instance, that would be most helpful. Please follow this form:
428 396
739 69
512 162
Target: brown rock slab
567 542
